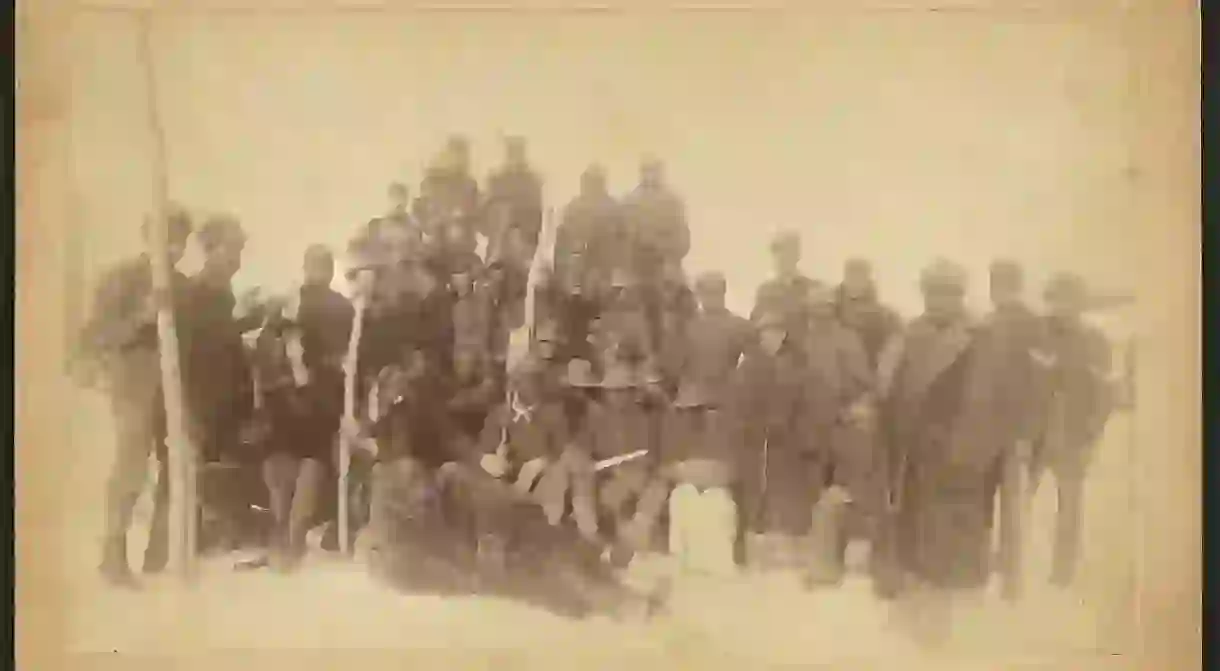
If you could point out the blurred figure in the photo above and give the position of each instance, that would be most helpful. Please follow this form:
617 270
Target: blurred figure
121 336
399 211
518 188
658 234
860 309
1076 359
592 238
700 436
305 409
217 379
784 294
448 192
936 507
838 409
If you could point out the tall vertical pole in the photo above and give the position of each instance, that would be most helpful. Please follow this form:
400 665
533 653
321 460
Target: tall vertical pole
181 454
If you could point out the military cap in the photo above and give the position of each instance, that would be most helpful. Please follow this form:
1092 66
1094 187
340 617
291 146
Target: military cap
691 395
594 171
580 374
1006 269
943 274
786 239
177 222
618 377
1066 288
711 280
221 229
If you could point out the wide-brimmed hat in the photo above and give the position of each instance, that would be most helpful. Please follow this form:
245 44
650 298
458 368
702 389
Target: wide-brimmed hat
1066 288
580 374
691 395
618 378
943 275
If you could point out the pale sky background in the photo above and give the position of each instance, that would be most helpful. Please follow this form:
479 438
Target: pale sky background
897 137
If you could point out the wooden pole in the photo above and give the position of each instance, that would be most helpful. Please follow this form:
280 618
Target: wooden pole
181 454
351 381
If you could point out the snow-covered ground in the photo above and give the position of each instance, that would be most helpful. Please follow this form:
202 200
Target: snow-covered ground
757 619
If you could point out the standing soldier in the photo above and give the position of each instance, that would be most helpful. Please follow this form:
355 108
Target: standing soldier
658 233
519 189
939 505
860 309
217 380
1004 406
591 241
399 212
121 335
837 407
305 413
700 435
776 473
1077 360
784 294
618 425
448 192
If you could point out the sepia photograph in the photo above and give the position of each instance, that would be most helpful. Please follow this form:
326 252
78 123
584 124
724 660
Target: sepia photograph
826 335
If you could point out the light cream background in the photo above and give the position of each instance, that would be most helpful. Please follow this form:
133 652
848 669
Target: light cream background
1062 139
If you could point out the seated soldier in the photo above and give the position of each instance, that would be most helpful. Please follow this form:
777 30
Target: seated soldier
408 539
617 434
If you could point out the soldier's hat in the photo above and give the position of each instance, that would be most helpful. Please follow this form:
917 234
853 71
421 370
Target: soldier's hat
1066 288
580 374
691 395
547 331
220 230
943 275
622 278
617 378
786 239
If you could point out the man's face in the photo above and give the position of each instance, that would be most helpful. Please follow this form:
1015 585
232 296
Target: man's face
1004 290
820 302
225 258
857 281
651 176
944 303
711 296
786 258
319 269
400 199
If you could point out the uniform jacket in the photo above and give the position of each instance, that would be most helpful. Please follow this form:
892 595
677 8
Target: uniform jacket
1002 402
445 193
119 322
592 238
657 227
215 372
419 425
531 433
521 190
1078 395
875 323
608 431
785 297
707 353
837 374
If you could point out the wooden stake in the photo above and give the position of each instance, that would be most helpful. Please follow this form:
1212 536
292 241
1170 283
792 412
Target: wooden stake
181 454
349 411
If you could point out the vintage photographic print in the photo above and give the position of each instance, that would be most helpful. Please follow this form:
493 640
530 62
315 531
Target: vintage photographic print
542 336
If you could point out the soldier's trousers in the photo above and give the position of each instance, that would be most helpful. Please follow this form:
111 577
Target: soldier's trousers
138 412
1005 488
1066 554
944 529
295 487
633 480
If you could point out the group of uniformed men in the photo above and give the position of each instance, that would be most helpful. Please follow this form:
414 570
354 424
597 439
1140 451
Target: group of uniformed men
642 403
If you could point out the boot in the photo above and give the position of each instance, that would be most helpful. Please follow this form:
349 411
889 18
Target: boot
114 567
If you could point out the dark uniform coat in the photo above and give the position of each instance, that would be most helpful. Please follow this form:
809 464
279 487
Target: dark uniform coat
658 231
591 241
875 323
785 297
520 190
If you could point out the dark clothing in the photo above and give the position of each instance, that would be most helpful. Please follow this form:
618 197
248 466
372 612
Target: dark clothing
471 402
119 322
417 427
592 240
658 230
785 297
707 353
941 520
538 432
875 323
520 189
448 196
425 322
